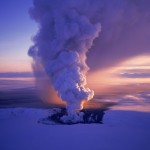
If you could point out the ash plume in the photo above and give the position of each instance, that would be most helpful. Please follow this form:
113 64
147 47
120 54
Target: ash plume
65 35
68 29
125 32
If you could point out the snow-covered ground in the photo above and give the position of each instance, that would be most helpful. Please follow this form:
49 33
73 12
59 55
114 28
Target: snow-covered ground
122 130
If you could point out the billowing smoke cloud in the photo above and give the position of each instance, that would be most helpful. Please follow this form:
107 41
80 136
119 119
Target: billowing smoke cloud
125 32
69 28
65 35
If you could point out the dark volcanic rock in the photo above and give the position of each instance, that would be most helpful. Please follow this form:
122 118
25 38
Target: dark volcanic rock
59 115
93 115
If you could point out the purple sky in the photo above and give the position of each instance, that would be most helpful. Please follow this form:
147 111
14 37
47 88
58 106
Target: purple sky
17 27
15 33
125 34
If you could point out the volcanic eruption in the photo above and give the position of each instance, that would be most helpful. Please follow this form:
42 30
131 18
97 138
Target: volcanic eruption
68 32
65 35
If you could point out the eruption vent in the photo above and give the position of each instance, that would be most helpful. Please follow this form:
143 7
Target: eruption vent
65 35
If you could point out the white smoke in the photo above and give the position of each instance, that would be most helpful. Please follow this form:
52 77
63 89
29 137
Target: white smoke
65 35
69 28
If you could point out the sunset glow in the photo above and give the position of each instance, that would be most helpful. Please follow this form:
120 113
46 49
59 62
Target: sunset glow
128 78
75 74
12 65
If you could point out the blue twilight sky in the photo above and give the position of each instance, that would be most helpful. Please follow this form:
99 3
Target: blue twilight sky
16 29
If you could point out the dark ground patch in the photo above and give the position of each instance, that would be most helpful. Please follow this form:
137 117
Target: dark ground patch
86 116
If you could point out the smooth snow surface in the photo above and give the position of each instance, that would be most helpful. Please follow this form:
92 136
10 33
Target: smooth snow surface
122 130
